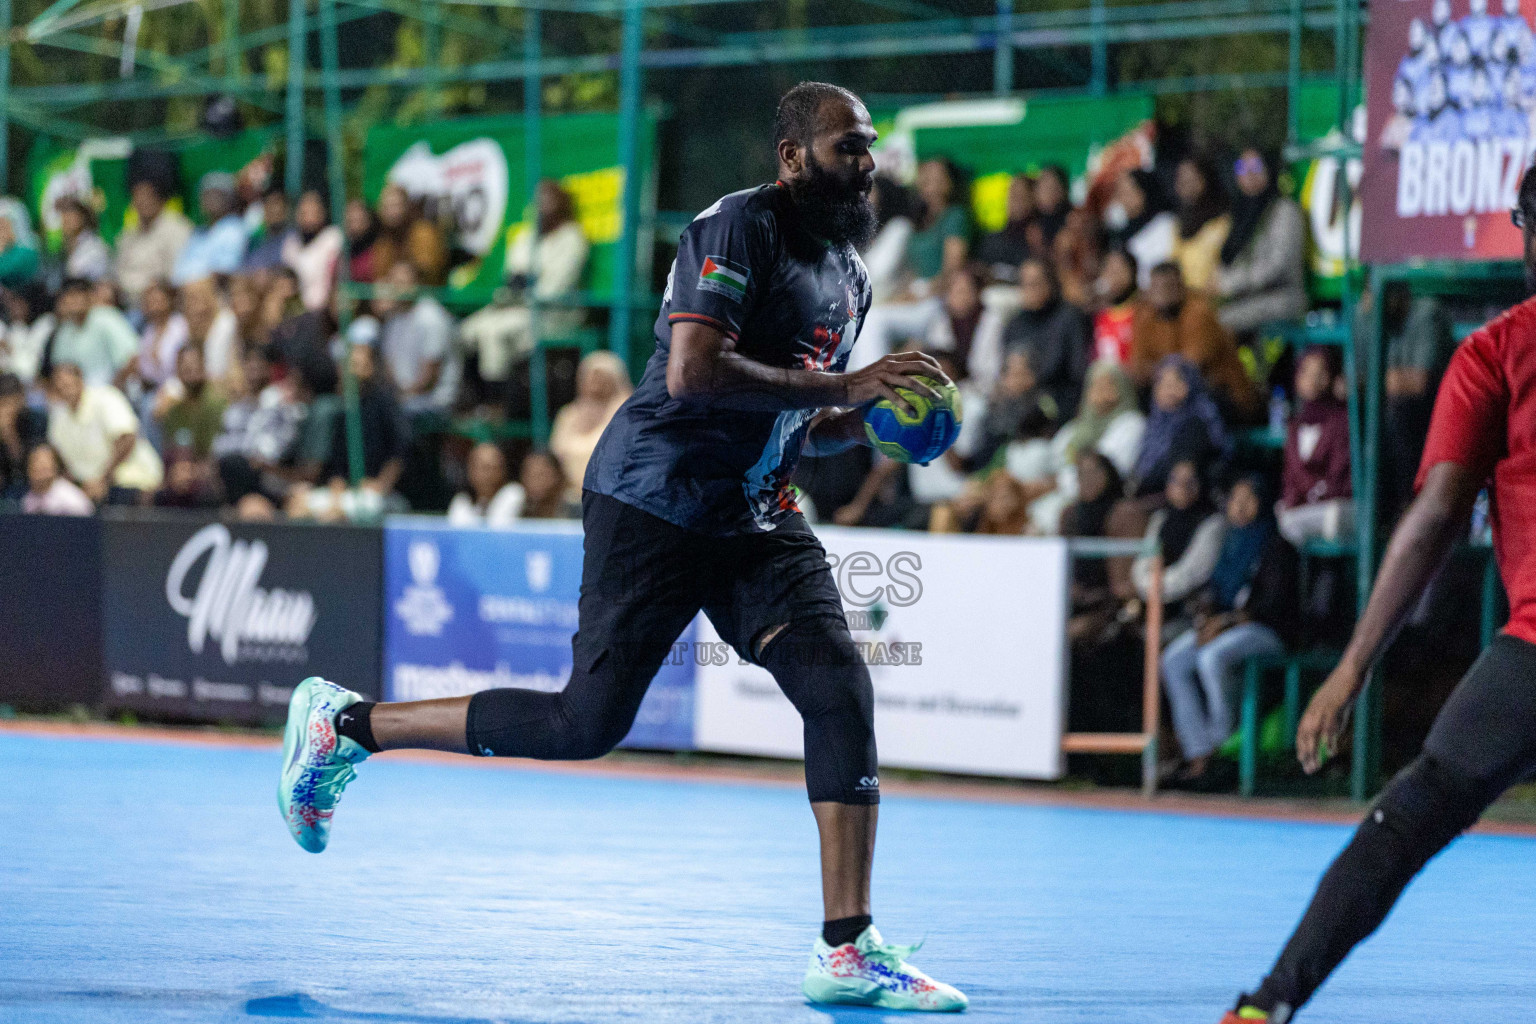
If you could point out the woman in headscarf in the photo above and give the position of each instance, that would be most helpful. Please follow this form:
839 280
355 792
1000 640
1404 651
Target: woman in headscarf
602 385
1248 608
1261 277
1108 422
1203 221
1140 223
1188 532
85 254
362 229
1055 333
1184 425
18 245
312 250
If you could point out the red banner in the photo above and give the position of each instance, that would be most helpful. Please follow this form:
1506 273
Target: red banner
1451 90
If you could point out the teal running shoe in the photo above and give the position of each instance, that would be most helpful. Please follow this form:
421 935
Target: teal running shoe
869 972
317 763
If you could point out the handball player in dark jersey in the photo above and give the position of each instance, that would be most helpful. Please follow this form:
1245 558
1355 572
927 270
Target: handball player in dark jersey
687 506
1483 433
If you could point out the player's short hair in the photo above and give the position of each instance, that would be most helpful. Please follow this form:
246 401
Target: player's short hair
1527 200
795 119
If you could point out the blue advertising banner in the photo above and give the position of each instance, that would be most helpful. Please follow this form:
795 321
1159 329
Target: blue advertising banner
469 609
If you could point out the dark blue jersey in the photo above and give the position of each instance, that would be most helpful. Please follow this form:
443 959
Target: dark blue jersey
782 297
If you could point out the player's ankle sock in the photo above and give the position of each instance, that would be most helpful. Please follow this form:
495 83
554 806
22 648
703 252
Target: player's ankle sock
354 722
844 929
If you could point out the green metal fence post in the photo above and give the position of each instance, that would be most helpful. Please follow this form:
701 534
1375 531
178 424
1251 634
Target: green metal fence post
293 118
1098 82
330 65
432 39
629 149
533 169
1293 77
1002 53
1367 714
5 94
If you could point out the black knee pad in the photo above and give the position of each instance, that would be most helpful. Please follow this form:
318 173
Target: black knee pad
818 666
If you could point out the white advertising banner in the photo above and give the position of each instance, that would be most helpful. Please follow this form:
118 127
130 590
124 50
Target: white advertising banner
965 638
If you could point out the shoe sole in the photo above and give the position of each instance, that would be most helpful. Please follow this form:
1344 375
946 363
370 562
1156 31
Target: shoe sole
295 746
821 989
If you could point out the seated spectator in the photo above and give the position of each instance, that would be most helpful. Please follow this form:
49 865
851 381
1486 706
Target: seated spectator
1249 608
490 499
260 430
1108 422
20 258
544 488
898 212
189 481
20 428
147 250
545 270
1004 507
190 418
386 434
1262 274
312 250
96 434
1053 204
1203 222
1075 255
266 251
1018 409
602 385
29 324
1189 533
1175 322
1054 332
362 230
245 304
941 242
85 254
212 328
218 246
1114 321
1140 223
163 336
1002 251
406 236
1417 343
97 339
1184 427
49 491
1317 501
954 330
1099 487
415 342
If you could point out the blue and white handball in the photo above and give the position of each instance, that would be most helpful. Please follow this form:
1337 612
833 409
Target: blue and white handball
919 438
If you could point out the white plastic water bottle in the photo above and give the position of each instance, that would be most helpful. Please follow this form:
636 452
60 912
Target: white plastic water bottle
1278 412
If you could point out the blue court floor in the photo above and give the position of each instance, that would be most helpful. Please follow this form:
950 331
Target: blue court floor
144 882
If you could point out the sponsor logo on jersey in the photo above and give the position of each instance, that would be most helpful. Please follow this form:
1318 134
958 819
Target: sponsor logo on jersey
723 277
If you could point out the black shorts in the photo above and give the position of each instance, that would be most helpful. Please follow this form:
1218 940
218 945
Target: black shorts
644 579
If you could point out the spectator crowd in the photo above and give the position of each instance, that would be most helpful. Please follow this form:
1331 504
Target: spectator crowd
1113 356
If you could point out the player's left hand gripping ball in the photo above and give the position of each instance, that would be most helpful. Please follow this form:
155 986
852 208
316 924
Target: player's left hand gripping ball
919 438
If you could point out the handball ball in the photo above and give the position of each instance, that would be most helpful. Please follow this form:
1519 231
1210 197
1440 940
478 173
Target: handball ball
920 438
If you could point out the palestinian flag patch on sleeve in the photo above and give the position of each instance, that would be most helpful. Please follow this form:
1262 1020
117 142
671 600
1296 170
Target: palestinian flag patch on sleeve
723 277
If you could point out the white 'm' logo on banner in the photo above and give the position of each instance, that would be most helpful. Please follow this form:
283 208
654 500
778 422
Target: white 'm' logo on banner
228 606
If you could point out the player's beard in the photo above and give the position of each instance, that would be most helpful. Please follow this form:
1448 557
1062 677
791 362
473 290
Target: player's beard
837 210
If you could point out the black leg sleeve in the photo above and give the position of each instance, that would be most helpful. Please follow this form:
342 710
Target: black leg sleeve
817 665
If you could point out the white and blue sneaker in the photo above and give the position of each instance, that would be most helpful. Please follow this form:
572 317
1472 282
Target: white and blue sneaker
869 972
317 762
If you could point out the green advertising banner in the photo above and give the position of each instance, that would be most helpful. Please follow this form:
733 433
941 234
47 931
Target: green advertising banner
476 165
97 171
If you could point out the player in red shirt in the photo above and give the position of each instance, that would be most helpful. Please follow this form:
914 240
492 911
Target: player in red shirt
1484 739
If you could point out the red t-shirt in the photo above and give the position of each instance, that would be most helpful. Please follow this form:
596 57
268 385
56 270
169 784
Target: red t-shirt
1112 333
1485 420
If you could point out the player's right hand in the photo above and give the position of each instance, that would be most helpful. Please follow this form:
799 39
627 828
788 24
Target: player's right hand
1317 737
881 378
